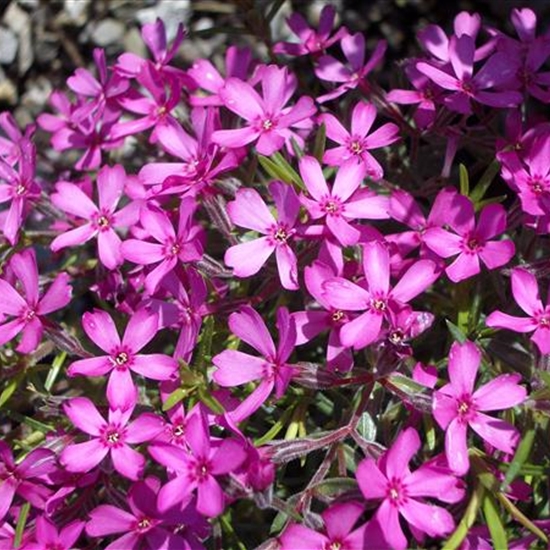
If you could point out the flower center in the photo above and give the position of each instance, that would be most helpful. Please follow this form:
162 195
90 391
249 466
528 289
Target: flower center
144 524
102 222
29 315
465 408
112 437
21 189
178 431
467 87
331 206
356 147
202 470
396 492
378 304
334 545
396 336
473 244
121 358
337 315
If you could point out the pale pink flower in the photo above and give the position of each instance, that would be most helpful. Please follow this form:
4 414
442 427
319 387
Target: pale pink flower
123 357
526 294
457 406
112 436
470 241
27 307
401 492
100 220
250 211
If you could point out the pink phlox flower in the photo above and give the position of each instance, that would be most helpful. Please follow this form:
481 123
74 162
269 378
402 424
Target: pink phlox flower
145 524
436 43
123 357
203 160
405 324
130 65
48 537
311 41
426 96
483 87
198 468
379 297
108 437
258 471
185 312
237 64
532 51
311 322
102 91
342 204
338 533
400 491
355 145
19 187
353 74
457 406
25 478
155 109
269 121
526 294
171 246
69 483
472 242
250 211
22 301
404 209
529 175
12 146
235 368
101 220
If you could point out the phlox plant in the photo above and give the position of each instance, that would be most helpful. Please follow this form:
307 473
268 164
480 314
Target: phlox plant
267 300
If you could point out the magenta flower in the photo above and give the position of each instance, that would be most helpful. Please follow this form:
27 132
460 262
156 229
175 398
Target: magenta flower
311 41
390 480
526 294
23 479
154 36
311 322
19 187
172 246
353 75
339 521
344 202
237 63
355 146
470 241
144 526
112 436
465 86
250 211
269 121
29 311
12 147
235 367
457 406
123 357
379 298
100 220
198 468
48 537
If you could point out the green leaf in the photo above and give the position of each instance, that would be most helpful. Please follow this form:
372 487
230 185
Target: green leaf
53 373
521 455
275 429
484 182
520 517
456 332
210 401
21 522
492 518
175 397
10 388
320 142
334 487
367 427
468 519
464 180
204 351
277 167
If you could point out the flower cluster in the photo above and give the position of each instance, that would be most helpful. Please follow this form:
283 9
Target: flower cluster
202 211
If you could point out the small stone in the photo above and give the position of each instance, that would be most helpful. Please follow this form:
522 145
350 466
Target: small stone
19 21
8 46
76 11
8 92
133 43
108 31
